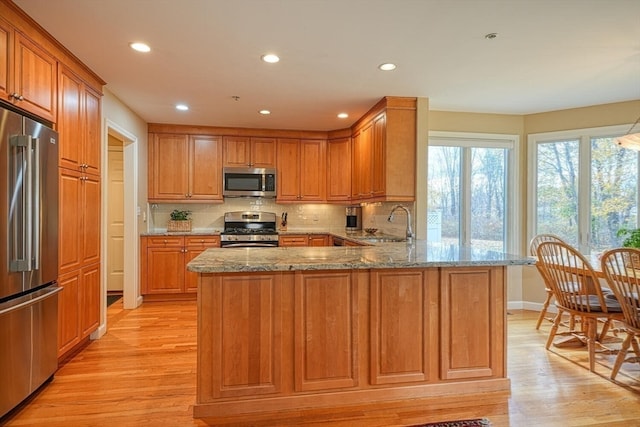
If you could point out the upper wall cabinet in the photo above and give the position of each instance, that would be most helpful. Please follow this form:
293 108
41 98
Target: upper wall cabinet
301 170
384 152
339 170
244 151
28 74
78 123
186 168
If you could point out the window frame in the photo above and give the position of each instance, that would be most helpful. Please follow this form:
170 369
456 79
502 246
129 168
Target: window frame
583 136
509 142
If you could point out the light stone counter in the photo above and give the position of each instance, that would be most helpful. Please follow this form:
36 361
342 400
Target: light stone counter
383 255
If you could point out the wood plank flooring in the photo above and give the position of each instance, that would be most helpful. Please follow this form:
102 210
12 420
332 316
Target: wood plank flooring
142 373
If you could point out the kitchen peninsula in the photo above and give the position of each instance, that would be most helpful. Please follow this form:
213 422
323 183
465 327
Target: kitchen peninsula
282 329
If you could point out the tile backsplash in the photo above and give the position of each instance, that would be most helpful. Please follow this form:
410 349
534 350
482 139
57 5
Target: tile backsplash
210 217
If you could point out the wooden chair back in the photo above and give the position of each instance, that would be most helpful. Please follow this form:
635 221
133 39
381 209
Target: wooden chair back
571 277
537 239
621 267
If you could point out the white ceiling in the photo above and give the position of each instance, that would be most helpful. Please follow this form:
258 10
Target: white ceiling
549 55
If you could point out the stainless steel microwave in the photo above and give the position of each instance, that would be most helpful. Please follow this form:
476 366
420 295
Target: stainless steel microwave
249 182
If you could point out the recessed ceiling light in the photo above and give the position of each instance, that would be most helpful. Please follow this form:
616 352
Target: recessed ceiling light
270 58
387 66
264 112
140 47
182 107
343 115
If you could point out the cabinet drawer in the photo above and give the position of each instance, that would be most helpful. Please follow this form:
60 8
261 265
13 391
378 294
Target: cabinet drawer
293 240
165 241
203 241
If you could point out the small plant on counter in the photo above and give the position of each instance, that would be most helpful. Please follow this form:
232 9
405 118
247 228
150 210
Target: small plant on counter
179 221
178 215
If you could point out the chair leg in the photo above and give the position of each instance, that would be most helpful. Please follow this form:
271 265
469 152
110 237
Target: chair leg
636 347
592 326
545 306
622 353
554 329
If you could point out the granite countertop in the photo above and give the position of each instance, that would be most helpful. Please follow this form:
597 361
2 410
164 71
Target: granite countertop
383 255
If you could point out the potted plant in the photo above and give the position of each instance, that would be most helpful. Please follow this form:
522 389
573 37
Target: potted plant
631 240
179 221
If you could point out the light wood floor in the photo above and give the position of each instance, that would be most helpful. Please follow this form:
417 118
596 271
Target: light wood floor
142 373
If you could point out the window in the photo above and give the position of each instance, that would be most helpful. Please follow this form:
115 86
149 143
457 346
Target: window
470 190
583 187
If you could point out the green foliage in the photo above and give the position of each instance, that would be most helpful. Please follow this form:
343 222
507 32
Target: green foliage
178 215
631 237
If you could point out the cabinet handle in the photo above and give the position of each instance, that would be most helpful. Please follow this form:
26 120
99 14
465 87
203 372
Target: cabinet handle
17 97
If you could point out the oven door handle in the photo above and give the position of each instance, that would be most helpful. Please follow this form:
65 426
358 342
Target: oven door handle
249 245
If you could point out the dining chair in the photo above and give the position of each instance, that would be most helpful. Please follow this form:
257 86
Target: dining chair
621 267
533 251
577 291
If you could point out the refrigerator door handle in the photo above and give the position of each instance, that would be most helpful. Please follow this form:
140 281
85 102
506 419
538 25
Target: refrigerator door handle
26 302
34 210
20 212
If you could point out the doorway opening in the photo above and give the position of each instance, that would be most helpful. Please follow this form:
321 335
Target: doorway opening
120 219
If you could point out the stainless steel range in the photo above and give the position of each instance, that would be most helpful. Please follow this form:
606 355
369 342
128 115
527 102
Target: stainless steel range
249 229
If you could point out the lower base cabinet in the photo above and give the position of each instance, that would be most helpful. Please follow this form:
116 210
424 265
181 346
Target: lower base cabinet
78 306
278 341
164 262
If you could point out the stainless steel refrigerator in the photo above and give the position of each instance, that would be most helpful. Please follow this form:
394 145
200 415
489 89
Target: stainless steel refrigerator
28 257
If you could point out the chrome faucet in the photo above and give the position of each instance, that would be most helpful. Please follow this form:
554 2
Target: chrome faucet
409 230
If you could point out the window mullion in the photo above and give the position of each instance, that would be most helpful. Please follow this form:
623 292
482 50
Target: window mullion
584 194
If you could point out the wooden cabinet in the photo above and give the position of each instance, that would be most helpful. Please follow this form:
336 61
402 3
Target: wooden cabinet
28 75
339 170
164 262
244 151
362 166
293 240
186 168
301 170
79 224
383 152
78 306
79 127
304 240
318 240
331 338
78 124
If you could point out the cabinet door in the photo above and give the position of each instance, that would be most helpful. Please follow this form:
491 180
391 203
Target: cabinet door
168 167
68 311
378 161
70 120
339 170
70 256
312 170
89 297
35 74
91 119
263 153
472 341
194 247
205 168
165 270
288 169
325 331
236 151
5 53
318 240
90 213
